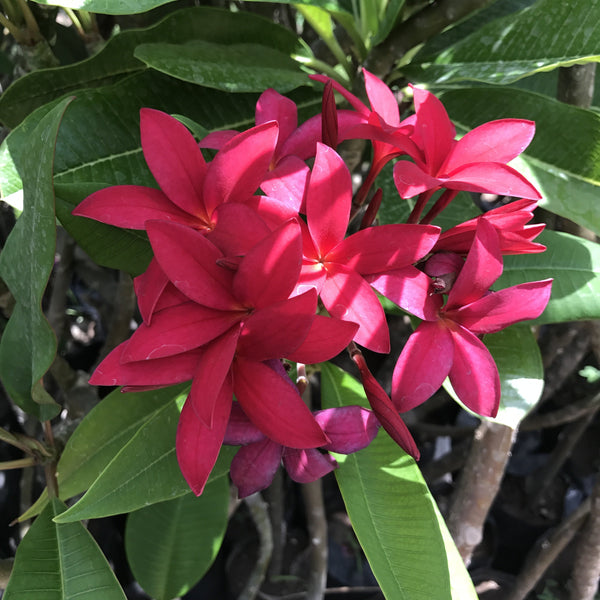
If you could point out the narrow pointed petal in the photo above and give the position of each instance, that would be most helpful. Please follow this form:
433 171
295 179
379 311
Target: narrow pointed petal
410 180
148 288
198 446
287 183
277 330
347 296
384 409
350 428
176 330
434 131
238 228
130 206
410 289
272 106
174 159
304 466
496 141
328 199
239 167
240 430
212 371
492 178
273 404
385 247
327 338
190 262
273 211
481 269
474 375
156 373
254 466
424 363
269 272
505 307
382 99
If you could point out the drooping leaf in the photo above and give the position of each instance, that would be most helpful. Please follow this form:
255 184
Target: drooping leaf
108 7
170 545
60 562
561 161
116 60
538 38
574 263
227 67
144 472
28 344
517 356
392 511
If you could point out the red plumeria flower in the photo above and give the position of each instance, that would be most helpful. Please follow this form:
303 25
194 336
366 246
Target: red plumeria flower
510 221
191 192
476 162
349 429
446 342
337 266
236 317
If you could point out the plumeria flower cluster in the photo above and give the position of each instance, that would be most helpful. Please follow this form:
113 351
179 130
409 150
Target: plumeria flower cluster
254 270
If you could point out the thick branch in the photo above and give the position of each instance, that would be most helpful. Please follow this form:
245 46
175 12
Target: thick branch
428 22
478 485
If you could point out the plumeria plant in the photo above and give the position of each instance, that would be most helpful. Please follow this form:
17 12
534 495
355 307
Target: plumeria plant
209 157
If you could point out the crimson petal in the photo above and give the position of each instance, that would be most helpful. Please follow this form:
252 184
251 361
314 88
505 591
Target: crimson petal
422 366
304 466
273 404
350 428
411 180
174 159
474 375
190 262
198 446
130 206
254 466
328 199
240 430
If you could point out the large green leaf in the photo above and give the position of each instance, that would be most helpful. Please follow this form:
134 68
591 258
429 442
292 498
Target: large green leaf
549 34
116 60
108 7
170 545
145 471
60 562
227 67
101 435
574 263
517 356
393 513
562 160
28 344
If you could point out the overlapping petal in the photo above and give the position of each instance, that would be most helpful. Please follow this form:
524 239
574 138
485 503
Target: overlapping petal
254 466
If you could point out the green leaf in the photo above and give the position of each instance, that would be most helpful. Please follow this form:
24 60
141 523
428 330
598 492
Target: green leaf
392 512
170 545
227 67
562 160
538 38
28 344
116 60
101 435
108 7
144 472
517 356
60 562
574 263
